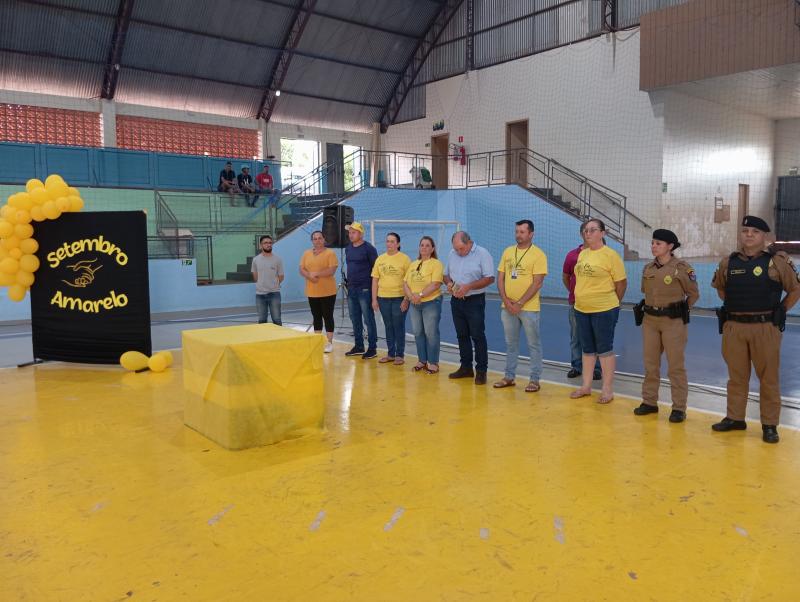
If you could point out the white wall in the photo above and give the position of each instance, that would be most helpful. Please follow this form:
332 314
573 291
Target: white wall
584 109
709 149
787 146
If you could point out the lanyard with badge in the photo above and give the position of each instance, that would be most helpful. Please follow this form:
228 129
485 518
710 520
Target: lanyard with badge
517 262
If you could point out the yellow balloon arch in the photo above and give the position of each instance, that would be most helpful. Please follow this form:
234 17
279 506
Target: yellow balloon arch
40 201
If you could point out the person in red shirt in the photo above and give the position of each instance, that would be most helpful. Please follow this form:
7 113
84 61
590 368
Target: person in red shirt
264 184
568 278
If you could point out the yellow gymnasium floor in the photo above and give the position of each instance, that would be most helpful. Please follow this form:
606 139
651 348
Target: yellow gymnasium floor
420 489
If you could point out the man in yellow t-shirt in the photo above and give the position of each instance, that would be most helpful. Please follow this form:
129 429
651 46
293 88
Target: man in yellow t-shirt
520 276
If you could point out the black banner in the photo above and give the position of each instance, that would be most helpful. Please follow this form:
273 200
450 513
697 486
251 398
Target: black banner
91 298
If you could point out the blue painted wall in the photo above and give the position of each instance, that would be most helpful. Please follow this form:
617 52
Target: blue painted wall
118 168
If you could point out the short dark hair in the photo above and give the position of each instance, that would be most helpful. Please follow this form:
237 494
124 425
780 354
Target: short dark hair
599 223
526 222
228 163
317 232
260 240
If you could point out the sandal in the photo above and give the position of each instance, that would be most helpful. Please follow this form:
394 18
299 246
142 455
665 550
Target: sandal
604 399
399 361
385 359
533 387
504 382
419 366
578 393
432 370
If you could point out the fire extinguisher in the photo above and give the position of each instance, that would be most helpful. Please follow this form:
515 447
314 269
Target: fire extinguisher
463 153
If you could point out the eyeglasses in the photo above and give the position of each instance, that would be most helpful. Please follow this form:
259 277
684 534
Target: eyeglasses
591 230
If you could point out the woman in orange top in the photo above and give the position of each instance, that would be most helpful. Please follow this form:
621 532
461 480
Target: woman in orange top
317 266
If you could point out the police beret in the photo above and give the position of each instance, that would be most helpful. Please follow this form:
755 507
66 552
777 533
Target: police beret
667 236
751 221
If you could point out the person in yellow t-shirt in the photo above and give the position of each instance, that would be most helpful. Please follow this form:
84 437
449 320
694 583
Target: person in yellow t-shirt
600 284
520 276
318 266
422 287
389 298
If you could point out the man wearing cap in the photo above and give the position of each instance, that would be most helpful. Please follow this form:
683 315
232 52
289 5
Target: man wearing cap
669 285
361 256
245 181
750 283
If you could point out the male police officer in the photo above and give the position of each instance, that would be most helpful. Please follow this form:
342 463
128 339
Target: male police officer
750 282
669 285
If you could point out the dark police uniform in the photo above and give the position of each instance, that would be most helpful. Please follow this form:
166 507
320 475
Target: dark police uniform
667 288
753 288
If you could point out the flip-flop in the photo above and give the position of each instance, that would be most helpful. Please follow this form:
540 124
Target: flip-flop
385 360
399 361
604 399
577 394
432 371
503 383
419 366
532 387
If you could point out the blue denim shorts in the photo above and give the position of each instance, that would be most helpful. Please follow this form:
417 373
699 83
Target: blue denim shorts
596 331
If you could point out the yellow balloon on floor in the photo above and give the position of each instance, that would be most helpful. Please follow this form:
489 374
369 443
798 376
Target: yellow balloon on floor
157 363
133 360
33 184
16 292
29 263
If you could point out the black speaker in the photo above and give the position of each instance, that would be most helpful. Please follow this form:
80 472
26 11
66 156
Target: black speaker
334 219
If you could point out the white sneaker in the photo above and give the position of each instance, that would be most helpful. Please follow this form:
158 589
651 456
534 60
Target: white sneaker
328 347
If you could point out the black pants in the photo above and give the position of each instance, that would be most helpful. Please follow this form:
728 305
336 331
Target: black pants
469 319
322 310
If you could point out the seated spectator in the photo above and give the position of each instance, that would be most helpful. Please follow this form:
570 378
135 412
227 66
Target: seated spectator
245 181
227 182
264 184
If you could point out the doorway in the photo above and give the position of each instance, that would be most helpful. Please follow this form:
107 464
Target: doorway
744 204
516 138
439 149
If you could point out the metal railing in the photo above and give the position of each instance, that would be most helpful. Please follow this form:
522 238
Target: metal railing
198 249
211 213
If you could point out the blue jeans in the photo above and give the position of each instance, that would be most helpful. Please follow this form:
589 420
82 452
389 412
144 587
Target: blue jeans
359 302
529 320
596 331
425 325
394 322
574 342
269 304
469 318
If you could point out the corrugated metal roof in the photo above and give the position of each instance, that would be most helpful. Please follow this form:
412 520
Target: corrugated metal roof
136 87
492 12
360 85
414 106
457 27
109 7
249 21
35 29
445 60
164 50
296 109
408 16
63 78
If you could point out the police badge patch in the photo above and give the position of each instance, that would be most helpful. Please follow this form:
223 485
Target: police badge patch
692 275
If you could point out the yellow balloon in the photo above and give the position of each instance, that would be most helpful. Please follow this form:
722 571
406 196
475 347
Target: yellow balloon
51 210
157 363
24 201
56 189
29 263
9 265
6 228
39 196
15 253
74 191
12 242
133 360
3 252
22 217
168 355
16 292
25 278
23 231
29 246
37 214
7 279
75 203
7 213
52 179
33 184
14 201
63 204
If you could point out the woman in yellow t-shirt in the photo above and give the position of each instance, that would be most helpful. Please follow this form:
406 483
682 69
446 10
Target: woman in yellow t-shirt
600 284
317 266
388 297
422 287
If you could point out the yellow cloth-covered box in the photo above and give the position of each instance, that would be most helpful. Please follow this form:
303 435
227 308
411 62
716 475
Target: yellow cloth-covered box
252 385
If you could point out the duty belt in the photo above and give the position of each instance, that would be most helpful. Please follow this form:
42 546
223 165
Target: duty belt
751 318
673 310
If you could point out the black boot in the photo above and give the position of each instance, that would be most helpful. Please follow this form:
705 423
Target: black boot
769 433
462 372
644 409
727 424
677 416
